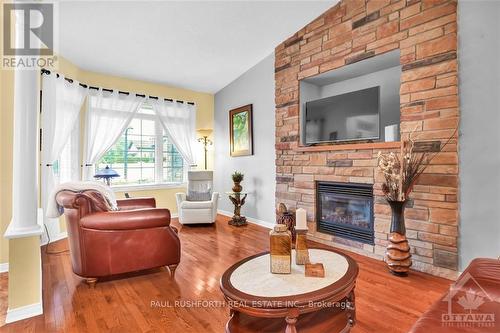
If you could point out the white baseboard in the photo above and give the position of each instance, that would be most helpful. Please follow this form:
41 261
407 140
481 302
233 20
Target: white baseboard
59 236
4 267
23 312
265 224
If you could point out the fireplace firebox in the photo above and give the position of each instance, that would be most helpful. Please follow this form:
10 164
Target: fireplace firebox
345 210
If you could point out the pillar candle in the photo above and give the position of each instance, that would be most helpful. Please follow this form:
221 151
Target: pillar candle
301 219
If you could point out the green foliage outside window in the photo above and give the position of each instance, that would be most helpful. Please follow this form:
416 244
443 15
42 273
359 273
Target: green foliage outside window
117 154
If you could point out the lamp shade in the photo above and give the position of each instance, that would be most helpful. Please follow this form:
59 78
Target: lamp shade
204 132
107 173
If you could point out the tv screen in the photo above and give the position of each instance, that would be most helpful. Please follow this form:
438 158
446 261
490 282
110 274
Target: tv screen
346 117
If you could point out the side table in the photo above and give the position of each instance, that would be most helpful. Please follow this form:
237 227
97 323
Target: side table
238 200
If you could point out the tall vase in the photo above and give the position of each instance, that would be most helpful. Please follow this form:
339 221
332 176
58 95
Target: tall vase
397 256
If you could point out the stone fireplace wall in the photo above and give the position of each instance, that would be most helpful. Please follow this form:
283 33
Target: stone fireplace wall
425 32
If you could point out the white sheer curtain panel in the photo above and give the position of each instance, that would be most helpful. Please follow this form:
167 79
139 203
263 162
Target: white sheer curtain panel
61 105
179 122
108 115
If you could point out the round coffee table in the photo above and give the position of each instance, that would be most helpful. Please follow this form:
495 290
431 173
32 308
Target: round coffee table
260 301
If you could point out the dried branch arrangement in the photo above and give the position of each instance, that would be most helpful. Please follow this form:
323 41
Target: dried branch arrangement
402 170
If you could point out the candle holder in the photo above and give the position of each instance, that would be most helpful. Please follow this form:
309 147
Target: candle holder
301 250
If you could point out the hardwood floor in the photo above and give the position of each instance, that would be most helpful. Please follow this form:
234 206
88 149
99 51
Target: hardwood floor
145 302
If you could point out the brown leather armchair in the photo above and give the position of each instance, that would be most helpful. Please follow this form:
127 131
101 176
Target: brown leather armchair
102 243
481 280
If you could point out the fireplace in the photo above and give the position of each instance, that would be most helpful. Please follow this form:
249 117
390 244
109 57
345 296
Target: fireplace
345 210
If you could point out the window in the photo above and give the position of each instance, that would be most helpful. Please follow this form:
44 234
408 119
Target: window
144 154
173 164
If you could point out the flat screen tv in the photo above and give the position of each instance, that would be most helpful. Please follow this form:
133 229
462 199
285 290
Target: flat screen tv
346 117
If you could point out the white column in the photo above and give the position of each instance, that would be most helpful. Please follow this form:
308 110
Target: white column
25 217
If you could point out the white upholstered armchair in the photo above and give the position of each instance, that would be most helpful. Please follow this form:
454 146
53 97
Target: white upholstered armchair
199 205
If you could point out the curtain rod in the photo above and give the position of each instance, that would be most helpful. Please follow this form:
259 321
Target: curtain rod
46 71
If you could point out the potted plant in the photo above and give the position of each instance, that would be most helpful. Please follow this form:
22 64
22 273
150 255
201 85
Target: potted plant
237 179
401 170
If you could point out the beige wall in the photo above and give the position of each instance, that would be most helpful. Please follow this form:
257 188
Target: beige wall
6 121
164 198
24 272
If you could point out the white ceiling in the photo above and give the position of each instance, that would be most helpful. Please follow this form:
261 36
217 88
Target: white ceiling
201 46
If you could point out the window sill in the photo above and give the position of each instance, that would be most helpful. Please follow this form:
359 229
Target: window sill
147 187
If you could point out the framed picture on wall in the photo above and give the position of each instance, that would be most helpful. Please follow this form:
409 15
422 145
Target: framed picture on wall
240 131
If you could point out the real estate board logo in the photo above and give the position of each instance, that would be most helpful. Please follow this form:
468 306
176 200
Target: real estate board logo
29 35
465 299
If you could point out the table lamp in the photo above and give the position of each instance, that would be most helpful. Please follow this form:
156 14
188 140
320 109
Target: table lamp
106 174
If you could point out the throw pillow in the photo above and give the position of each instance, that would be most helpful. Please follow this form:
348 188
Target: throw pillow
199 196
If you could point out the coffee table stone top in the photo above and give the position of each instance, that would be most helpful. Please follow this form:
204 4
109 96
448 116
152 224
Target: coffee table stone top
254 278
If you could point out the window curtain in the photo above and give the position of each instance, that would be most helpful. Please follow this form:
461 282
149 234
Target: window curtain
108 115
179 122
69 159
61 105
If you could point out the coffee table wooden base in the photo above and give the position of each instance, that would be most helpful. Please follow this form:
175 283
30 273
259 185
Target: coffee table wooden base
294 304
325 320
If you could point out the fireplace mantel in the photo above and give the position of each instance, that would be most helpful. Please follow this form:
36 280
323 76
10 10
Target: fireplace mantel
350 146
